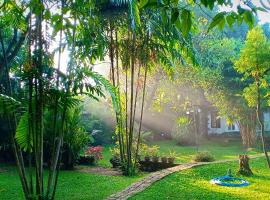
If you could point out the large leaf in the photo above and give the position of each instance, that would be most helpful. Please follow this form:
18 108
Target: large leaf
100 80
23 137
134 14
8 105
186 21
219 18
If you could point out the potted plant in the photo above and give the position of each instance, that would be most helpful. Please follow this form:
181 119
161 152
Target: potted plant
155 158
171 157
147 152
153 151
164 159
115 160
147 158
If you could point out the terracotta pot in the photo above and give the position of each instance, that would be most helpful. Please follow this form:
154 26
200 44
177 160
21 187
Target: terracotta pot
147 158
164 159
155 159
171 160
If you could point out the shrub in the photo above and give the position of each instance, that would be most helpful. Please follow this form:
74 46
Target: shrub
95 152
115 161
149 150
183 132
204 157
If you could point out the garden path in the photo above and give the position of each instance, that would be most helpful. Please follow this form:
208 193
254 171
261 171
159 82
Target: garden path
156 176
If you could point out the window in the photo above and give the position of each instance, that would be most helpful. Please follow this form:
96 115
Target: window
215 120
231 127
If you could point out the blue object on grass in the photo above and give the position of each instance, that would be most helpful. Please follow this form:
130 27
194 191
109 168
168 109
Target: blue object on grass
221 180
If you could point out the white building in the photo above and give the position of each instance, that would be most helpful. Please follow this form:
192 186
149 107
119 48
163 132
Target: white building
218 125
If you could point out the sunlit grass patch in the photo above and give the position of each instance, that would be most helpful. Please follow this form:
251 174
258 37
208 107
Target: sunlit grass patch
195 184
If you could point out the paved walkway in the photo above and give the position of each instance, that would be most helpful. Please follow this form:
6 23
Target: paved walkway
156 176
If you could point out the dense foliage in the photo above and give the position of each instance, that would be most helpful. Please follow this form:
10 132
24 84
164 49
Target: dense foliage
40 89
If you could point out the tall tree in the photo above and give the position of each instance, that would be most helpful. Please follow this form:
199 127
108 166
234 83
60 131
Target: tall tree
254 64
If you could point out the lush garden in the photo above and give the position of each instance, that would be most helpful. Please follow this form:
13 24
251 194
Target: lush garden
98 94
181 184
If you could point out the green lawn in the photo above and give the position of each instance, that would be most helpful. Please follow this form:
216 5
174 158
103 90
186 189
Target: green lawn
218 148
72 185
193 184
105 162
77 185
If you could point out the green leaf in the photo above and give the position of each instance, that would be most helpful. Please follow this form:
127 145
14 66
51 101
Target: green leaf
219 18
174 16
143 3
211 4
222 24
240 19
8 105
230 20
23 137
261 9
204 2
249 18
186 21
134 14
164 16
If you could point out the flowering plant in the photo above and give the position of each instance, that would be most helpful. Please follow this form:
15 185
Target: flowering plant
95 152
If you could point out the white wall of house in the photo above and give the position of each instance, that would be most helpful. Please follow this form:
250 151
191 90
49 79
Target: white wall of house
227 128
266 116
224 127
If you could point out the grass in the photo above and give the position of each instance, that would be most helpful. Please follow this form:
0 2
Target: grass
219 149
107 155
194 184
72 185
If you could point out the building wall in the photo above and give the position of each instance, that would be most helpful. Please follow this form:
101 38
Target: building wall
266 116
225 128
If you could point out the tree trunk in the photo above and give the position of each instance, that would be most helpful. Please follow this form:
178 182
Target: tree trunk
247 128
261 122
244 166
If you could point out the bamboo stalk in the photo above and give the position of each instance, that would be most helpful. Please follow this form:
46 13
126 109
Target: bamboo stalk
141 117
55 147
131 103
17 152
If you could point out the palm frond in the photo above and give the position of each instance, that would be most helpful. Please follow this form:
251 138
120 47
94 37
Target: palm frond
23 137
119 2
134 14
100 80
8 105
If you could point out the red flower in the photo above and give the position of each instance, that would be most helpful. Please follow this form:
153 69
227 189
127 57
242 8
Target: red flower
96 152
